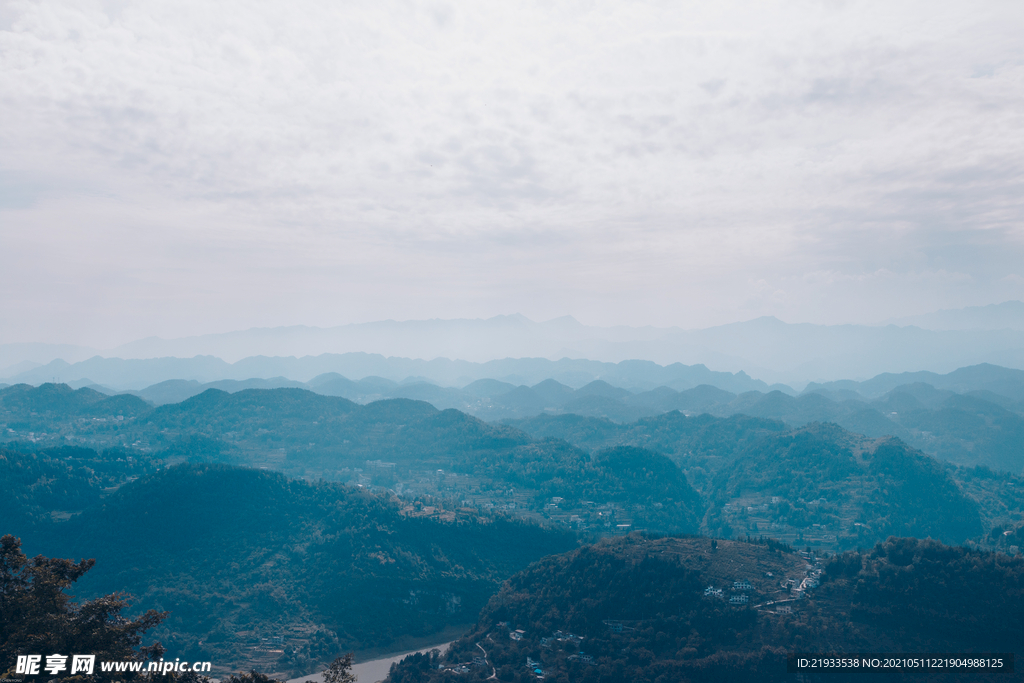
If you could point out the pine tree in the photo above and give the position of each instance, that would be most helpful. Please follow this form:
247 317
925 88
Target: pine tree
37 617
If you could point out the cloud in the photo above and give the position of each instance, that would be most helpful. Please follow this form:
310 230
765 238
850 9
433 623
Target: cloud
644 163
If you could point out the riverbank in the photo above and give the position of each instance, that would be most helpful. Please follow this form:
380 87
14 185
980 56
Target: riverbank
374 670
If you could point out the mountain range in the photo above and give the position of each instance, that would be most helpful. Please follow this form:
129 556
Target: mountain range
281 525
972 416
812 480
766 348
119 374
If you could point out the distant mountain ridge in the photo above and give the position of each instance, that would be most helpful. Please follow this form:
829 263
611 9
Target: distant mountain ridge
983 377
121 374
1008 315
766 347
971 426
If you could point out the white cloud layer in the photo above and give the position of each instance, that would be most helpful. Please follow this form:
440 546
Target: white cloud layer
184 167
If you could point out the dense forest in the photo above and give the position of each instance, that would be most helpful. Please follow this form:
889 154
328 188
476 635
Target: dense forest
977 428
837 483
820 481
647 482
980 423
52 484
644 608
245 559
818 485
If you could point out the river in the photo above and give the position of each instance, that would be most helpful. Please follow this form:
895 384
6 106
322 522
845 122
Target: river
374 670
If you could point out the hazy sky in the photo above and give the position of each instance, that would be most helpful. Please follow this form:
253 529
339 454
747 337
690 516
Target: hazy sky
183 167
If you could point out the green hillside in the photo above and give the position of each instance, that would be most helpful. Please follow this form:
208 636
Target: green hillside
647 484
964 420
818 485
242 557
840 488
52 484
645 609
400 520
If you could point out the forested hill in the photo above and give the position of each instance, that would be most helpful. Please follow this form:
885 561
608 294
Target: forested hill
309 428
705 439
242 557
647 484
976 428
974 416
650 609
830 482
30 406
816 485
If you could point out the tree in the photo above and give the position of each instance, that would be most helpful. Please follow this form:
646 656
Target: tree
38 618
253 676
340 670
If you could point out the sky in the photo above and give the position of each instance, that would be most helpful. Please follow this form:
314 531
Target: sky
180 168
